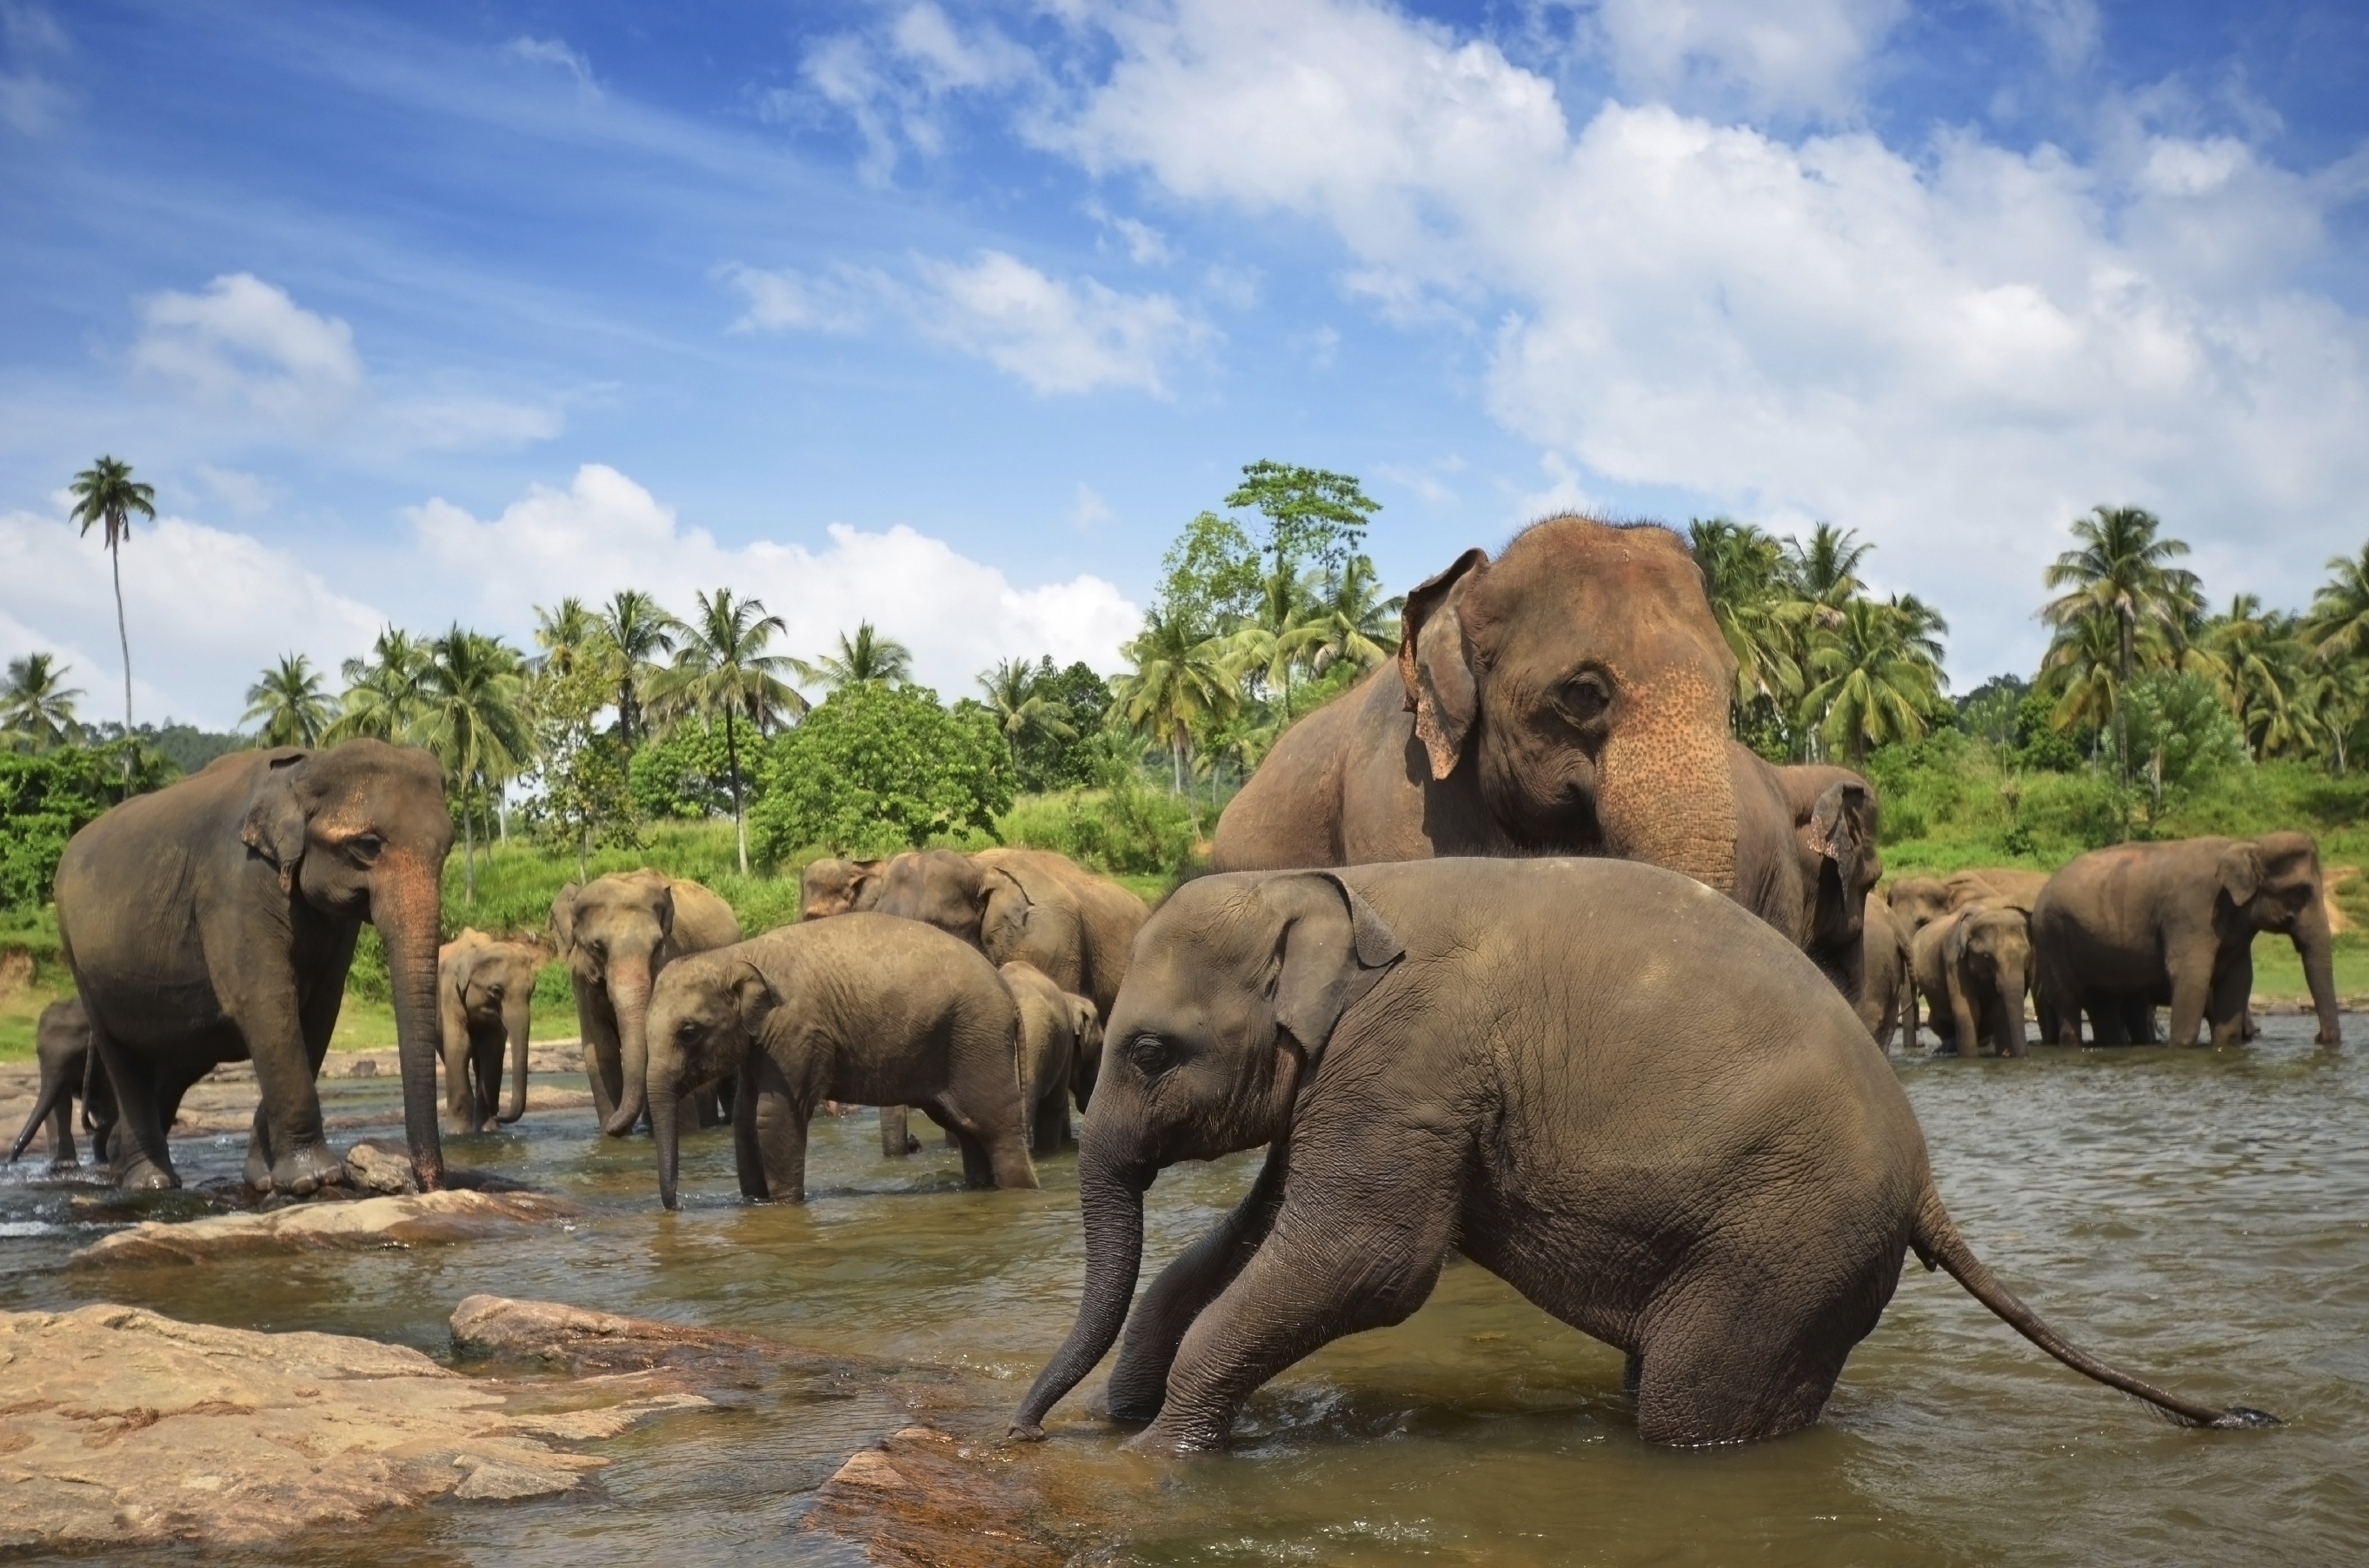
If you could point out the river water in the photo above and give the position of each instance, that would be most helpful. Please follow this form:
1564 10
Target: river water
2199 1218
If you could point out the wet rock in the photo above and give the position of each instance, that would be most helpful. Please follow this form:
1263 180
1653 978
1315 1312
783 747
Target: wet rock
918 1499
124 1427
585 1342
413 1220
372 1166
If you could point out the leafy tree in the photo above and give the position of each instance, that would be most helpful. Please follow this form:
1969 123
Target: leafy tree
382 697
1047 761
2339 622
1989 710
2120 573
45 800
2179 724
1875 677
1183 683
569 635
867 655
1352 621
583 794
1019 696
471 686
876 768
686 776
36 712
1824 571
2038 744
638 630
1283 632
1210 576
1751 600
721 671
106 495
1312 513
288 700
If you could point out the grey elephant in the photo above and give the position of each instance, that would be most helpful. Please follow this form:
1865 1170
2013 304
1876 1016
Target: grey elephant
831 886
1918 901
2121 930
2009 885
1986 970
215 920
61 1046
1886 997
1830 819
1520 1061
866 1008
1059 1032
485 1003
618 934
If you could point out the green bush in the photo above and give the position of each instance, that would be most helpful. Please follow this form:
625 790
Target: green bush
879 768
1126 828
687 777
46 799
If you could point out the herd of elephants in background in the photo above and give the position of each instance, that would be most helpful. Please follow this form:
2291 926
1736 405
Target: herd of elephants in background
1511 950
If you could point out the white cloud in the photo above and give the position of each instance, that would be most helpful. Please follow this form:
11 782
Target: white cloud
2068 29
1768 56
892 87
788 299
1055 335
604 532
243 340
239 490
1091 510
552 52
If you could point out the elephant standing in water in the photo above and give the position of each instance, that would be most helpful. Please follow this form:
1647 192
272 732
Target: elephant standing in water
866 1008
1060 1035
1887 998
1984 958
61 1045
618 934
2121 930
214 921
485 1000
1626 1097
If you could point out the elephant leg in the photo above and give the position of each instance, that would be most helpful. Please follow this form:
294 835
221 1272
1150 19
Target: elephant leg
994 1154
2191 995
1632 1374
2232 996
604 1060
769 1128
1049 1122
1138 1382
487 1052
459 1051
895 1142
138 1147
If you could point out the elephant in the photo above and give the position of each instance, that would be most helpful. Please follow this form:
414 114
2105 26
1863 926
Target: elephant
830 886
865 1007
1929 984
1886 999
2009 885
1569 698
485 999
1828 818
618 934
215 920
1059 1032
2125 929
1918 901
61 1045
1525 1061
1986 963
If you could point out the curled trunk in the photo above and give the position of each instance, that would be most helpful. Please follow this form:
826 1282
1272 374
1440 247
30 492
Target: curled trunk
1111 1200
629 996
406 920
517 1012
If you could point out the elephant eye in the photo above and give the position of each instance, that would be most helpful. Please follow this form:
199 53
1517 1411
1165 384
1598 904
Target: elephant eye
1585 697
366 847
1151 1055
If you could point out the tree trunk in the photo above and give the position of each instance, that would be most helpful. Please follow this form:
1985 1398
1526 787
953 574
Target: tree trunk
469 854
123 638
739 818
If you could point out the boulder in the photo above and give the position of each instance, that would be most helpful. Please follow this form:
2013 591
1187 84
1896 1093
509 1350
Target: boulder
125 1428
398 1222
375 1167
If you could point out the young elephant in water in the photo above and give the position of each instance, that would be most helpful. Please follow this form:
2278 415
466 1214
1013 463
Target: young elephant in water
1520 1061
61 1044
1059 1033
865 1007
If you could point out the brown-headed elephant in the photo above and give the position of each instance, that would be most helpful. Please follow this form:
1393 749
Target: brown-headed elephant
62 1048
864 1008
2127 928
1807 840
1918 901
484 1001
618 934
1519 1060
1886 1000
2009 885
831 886
215 920
1059 1032
1986 963
1029 905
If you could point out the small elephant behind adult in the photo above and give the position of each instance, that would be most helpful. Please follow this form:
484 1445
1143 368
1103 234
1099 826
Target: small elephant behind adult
618 934
866 1008
1986 970
1057 1031
61 1045
1918 901
1033 906
1887 999
485 999
831 886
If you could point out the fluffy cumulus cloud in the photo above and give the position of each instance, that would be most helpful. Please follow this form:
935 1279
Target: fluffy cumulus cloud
1953 351
604 532
1786 57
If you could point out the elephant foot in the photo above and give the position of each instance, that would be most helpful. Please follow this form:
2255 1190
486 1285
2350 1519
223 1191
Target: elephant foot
1171 1443
141 1174
303 1170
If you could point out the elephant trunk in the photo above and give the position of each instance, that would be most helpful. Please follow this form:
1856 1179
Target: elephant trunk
516 1012
2009 1036
1110 1196
405 909
2314 944
629 994
1667 798
665 1109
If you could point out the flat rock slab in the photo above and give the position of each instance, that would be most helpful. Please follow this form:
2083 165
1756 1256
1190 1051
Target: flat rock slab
583 1341
118 1426
404 1221
919 1499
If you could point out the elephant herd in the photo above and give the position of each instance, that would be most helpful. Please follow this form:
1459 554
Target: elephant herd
1511 950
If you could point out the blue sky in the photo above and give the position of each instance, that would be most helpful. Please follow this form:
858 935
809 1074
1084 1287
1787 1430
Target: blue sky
948 317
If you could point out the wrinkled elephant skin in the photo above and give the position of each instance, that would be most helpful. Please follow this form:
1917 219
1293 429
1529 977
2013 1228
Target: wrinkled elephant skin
618 934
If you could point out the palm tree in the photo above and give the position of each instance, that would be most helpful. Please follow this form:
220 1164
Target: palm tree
470 686
383 693
869 656
2082 671
106 494
1746 581
639 630
1183 680
1353 620
2256 659
1015 695
1285 630
722 670
36 712
2339 622
1876 679
1826 571
569 636
290 702
2335 696
2120 572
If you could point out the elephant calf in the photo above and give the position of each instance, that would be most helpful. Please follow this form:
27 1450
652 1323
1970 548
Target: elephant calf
62 1045
1059 1038
484 1001
866 1008
1604 1083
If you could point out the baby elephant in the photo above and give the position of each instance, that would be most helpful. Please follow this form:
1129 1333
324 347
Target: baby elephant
1521 1061
863 1007
1060 1037
484 998
62 1045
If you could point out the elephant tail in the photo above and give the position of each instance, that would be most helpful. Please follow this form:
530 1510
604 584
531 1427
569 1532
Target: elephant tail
1938 1244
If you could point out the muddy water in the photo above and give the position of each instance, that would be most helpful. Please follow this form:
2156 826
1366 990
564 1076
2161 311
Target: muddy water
2201 1218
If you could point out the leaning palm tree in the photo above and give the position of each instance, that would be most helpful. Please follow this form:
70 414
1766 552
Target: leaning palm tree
2339 621
288 700
722 670
1016 697
1875 682
383 693
1183 682
36 712
867 655
1753 603
639 630
2121 571
469 715
105 493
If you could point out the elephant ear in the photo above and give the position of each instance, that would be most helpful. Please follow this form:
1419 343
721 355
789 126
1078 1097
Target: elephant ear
1332 948
563 917
1437 666
2240 872
754 999
274 828
662 906
1840 831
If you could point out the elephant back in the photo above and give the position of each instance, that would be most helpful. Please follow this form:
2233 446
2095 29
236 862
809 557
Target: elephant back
703 921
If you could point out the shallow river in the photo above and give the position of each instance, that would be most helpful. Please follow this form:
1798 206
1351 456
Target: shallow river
2202 1218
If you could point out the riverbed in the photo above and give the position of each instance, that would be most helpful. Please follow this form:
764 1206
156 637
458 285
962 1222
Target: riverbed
2199 1218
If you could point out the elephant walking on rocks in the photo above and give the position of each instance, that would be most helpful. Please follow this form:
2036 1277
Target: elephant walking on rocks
1524 1061
485 1000
618 934
864 1008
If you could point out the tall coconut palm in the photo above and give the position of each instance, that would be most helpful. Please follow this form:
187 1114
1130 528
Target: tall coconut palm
1016 697
2334 695
570 637
106 495
1751 600
639 630
1283 632
2120 571
289 701
1183 682
1824 570
383 693
2339 621
469 715
36 711
2255 658
1875 682
722 670
1353 619
867 655
2081 675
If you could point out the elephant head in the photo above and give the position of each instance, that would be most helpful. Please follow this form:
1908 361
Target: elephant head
831 886
1229 1005
615 931
939 887
360 832
1919 902
2273 883
1989 954
706 1015
485 981
1836 830
1582 679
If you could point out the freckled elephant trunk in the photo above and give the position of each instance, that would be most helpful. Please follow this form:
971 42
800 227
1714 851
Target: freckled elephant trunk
629 993
2314 944
2009 1036
516 1015
1667 798
665 1107
1110 1196
406 914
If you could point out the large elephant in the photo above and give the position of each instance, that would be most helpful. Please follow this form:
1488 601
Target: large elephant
61 1046
485 1001
864 1008
1059 1033
830 886
2137 925
1626 1097
618 934
1029 905
1985 968
1885 1000
1918 901
215 920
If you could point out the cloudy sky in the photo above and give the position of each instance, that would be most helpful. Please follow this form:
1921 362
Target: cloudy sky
948 316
